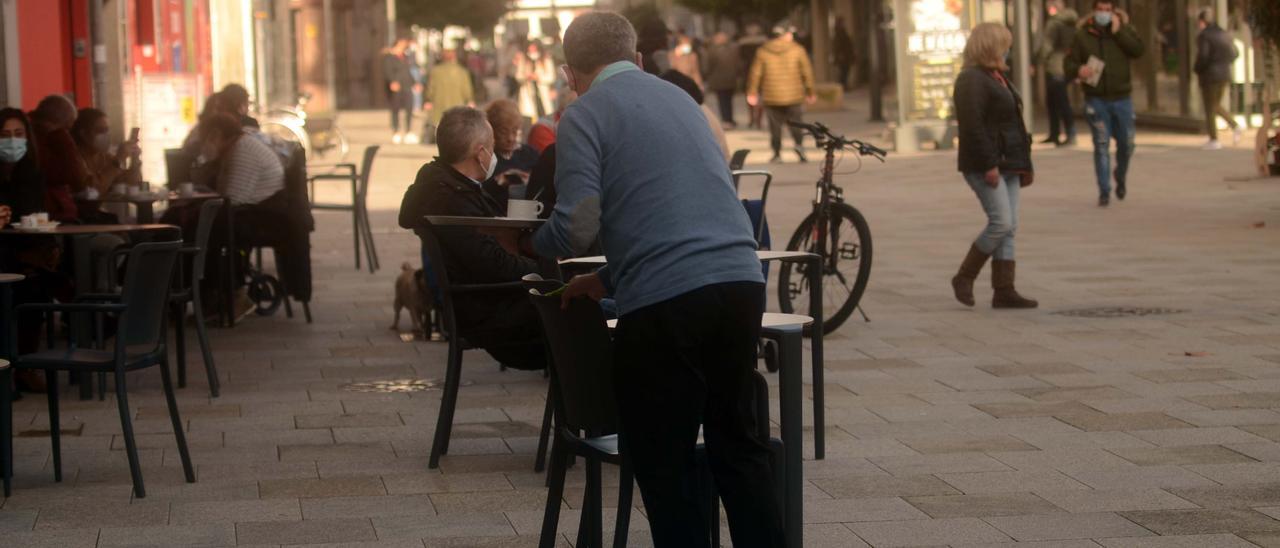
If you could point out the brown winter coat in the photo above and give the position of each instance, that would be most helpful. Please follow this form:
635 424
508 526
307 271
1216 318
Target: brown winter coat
781 73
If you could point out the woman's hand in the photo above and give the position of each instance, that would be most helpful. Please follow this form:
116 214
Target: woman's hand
992 177
6 215
1026 178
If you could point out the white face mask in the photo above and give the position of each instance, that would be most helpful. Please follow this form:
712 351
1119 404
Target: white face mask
493 166
102 142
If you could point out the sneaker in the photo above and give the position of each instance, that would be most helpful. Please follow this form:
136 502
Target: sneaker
411 139
1104 201
1120 191
776 159
397 138
1213 144
1236 135
1048 140
800 153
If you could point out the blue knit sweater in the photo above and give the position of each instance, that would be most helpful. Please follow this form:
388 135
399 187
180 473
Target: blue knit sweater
637 166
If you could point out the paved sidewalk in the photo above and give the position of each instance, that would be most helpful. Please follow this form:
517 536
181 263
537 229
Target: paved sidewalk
1060 427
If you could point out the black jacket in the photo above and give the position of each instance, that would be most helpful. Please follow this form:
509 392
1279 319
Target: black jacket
991 130
396 69
470 257
23 189
1117 50
1214 54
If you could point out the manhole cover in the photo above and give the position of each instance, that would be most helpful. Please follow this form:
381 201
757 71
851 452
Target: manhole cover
1118 312
399 385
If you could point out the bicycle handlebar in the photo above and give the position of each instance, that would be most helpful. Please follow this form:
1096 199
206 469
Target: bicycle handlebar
822 134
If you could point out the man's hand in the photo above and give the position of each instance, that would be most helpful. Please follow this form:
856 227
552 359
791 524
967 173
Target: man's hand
810 99
992 177
6 215
753 99
523 175
1085 72
395 87
586 285
1118 19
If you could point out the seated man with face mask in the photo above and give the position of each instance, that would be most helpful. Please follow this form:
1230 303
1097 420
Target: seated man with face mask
451 185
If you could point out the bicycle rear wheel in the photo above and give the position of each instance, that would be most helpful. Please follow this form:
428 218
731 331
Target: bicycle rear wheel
846 266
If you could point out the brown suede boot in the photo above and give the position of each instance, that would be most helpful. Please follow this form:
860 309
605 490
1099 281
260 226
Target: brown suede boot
962 282
1002 274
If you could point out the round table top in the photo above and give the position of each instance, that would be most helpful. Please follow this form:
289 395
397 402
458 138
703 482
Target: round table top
75 230
6 278
768 320
4 364
486 222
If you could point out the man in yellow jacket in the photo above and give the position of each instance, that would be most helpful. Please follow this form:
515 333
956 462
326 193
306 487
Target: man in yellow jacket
783 77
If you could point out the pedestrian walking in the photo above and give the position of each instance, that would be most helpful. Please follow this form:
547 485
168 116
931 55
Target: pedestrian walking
1108 37
724 68
1054 44
748 45
448 86
684 58
995 158
635 173
401 85
1214 54
536 75
782 79
842 49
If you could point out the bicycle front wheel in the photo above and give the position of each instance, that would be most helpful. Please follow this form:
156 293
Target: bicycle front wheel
846 266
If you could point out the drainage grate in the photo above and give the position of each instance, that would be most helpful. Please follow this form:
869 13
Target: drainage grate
1118 312
399 385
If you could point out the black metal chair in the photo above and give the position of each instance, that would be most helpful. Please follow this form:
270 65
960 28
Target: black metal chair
140 342
457 343
582 374
738 159
360 226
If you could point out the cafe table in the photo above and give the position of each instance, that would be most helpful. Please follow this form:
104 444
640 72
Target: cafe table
82 265
145 202
484 222
815 343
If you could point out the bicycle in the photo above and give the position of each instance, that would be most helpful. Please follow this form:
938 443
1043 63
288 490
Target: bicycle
318 135
834 230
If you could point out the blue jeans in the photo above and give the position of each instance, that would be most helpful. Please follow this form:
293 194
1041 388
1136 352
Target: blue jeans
1001 205
1109 119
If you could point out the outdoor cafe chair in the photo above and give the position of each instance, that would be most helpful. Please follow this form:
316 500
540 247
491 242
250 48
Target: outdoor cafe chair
457 343
360 227
141 310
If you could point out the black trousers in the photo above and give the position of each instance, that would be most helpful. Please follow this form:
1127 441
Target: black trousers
778 118
401 101
1211 93
684 362
1061 119
724 98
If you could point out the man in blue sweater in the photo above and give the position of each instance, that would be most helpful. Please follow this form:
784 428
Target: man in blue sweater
638 169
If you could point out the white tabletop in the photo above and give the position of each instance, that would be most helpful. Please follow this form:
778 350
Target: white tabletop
490 222
11 278
4 364
769 320
762 255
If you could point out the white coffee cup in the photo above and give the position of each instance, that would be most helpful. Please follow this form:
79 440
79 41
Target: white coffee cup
524 209
135 191
29 221
186 189
41 218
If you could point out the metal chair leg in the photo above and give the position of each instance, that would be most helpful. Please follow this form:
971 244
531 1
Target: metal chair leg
355 223
555 493
178 433
126 426
622 524
203 337
55 423
6 428
444 423
540 459
180 342
306 310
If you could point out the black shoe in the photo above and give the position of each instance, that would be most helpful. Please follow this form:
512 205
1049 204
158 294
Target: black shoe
1048 140
1120 191
800 153
776 159
1070 142
1104 201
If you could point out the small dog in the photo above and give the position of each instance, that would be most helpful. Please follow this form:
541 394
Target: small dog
413 294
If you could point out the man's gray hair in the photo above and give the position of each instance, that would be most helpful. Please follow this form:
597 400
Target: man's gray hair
459 130
598 38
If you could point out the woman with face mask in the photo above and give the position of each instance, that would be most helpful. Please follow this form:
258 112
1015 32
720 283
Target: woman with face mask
21 183
92 132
